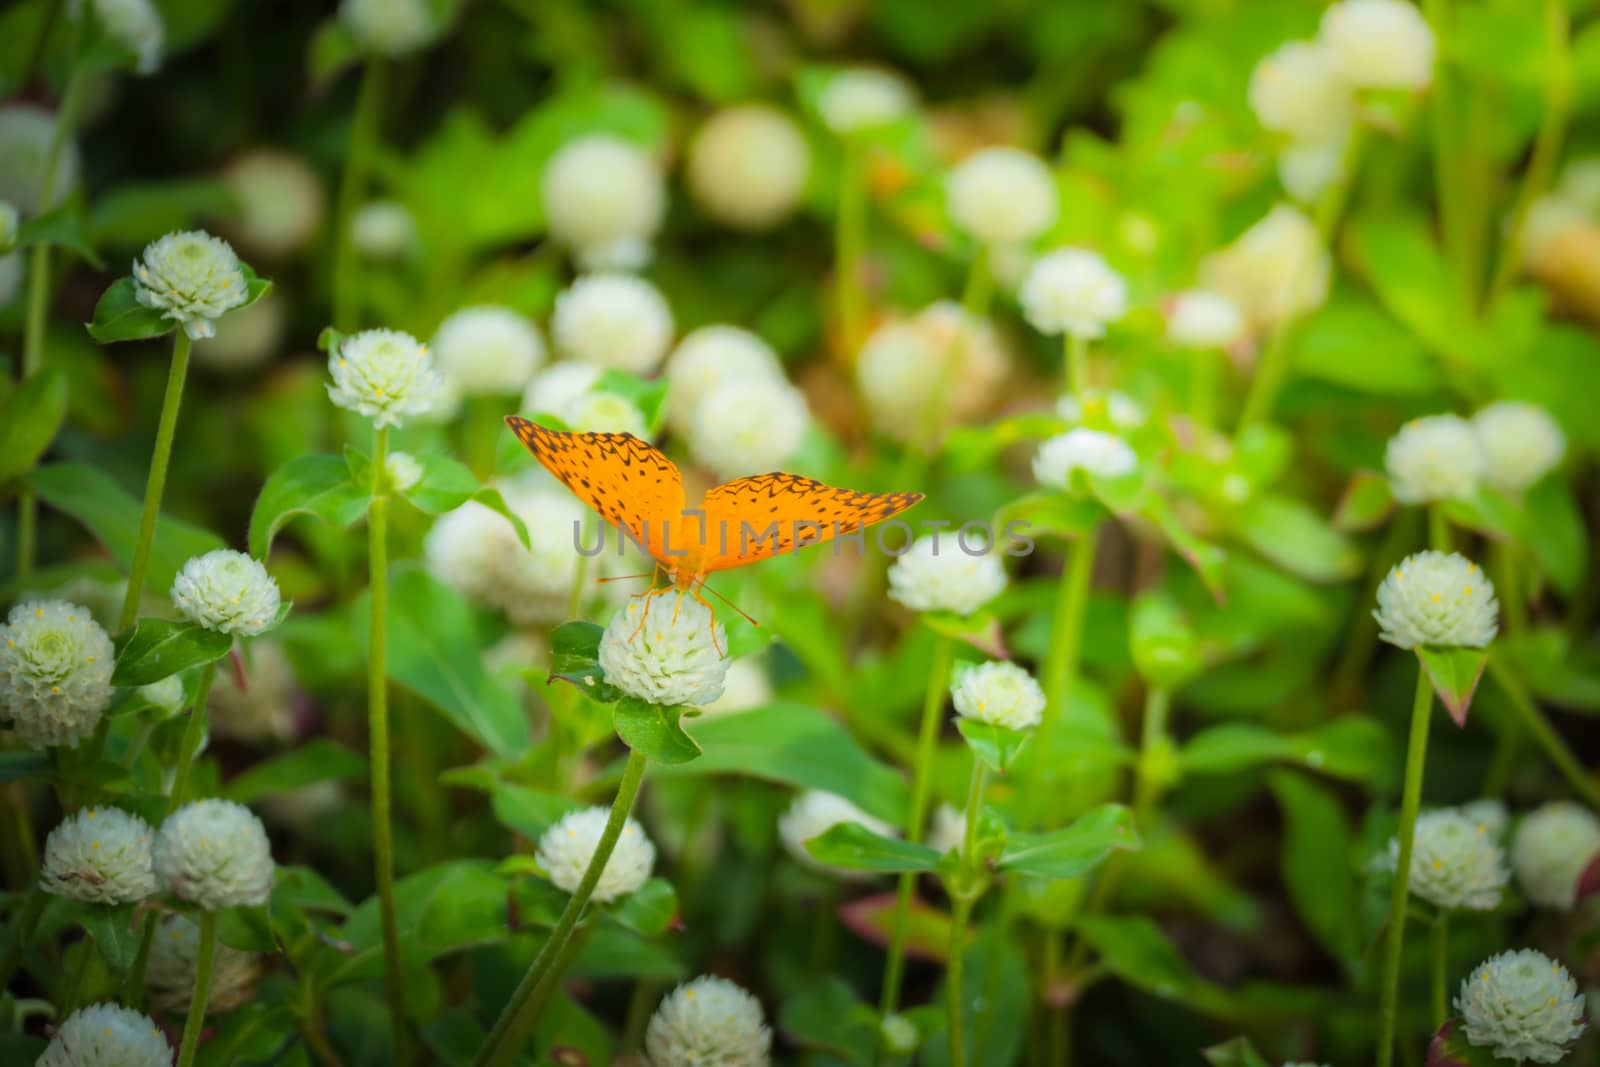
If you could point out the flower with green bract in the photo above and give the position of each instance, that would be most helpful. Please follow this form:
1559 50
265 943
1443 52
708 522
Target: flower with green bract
1520 443
665 649
135 25
383 374
174 957
192 278
1434 458
1001 694
392 27
1550 850
708 1022
1102 409
812 814
945 576
107 1035
99 855
1002 196
1455 863
1103 455
215 853
1073 291
1522 1006
487 350
1437 600
55 672
227 591
604 198
567 847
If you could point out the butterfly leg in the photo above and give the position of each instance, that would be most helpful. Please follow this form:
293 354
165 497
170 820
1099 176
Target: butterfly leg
648 594
695 592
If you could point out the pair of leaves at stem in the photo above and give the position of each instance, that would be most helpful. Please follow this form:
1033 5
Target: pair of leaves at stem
655 730
120 317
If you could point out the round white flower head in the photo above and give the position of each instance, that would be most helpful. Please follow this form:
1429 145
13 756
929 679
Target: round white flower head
26 133
135 25
1436 457
906 364
744 689
613 320
280 199
1455 862
107 1035
55 672
1276 269
1488 813
10 219
101 855
264 710
567 847
383 374
166 694
1522 1006
603 412
174 957
939 576
812 814
1550 850
383 229
1098 407
748 166
1001 694
559 387
488 350
1091 451
215 854
602 193
227 591
390 27
1002 196
1073 291
1521 443
948 829
1379 44
748 427
1437 600
1200 318
1306 169
709 1022
661 649
1296 91
245 338
898 1034
711 356
192 278
862 98
402 470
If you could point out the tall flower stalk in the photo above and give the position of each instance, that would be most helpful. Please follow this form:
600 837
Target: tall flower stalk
196 1020
352 187
156 481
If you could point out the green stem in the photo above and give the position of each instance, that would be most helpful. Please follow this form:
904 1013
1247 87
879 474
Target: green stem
1077 363
33 903
1440 938
1061 666
1147 788
921 782
1363 637
352 187
960 915
522 1010
551 981
824 926
69 993
580 577
1539 726
141 961
1410 802
193 730
155 484
850 243
1205 377
1508 585
202 989
1439 538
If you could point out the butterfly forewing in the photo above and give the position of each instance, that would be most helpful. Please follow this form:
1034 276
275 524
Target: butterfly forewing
768 514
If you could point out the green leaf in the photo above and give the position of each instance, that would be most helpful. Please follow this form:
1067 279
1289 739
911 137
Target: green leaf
981 630
62 227
1488 512
1135 950
140 212
446 484
1354 748
830 1018
30 415
648 910
255 287
451 906
1051 513
333 49
1368 499
1238 1052
115 931
1314 862
246 929
1454 673
160 648
304 888
997 746
1554 530
308 485
528 811
318 760
1074 850
654 731
120 317
575 658
1351 342
854 847
1164 646
1290 534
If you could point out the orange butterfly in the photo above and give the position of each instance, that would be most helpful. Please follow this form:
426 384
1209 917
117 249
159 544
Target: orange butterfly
638 489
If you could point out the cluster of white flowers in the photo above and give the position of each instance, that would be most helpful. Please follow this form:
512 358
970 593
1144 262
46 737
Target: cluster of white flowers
1552 847
935 575
487 350
107 1035
1200 318
227 591
1001 694
604 199
383 230
613 320
1094 452
567 848
1278 269
709 1022
263 708
101 855
941 355
665 649
55 672
174 959
1073 291
1522 1006
385 375
280 200
812 814
748 426
26 133
215 854
1455 862
475 550
748 166
391 27
863 98
1002 196
192 278
1437 600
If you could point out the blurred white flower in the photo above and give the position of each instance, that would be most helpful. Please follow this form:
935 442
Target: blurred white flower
604 199
1277 269
748 427
864 97
215 854
280 200
1306 169
107 1035
1091 451
712 356
948 830
1520 442
1455 863
937 574
1522 1006
744 689
812 814
55 672
603 412
709 1022
191 277
383 374
487 350
244 338
1437 600
100 855
1296 91
748 166
26 132
567 847
390 27
383 230
1488 813
1550 850
264 709
1001 694
1002 196
906 363
402 471
1073 291
613 320
1436 457
558 388
476 551
1379 44
174 959
227 591
1199 318
1099 407
662 649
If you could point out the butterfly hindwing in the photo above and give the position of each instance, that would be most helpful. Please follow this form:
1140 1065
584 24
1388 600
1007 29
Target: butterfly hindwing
752 518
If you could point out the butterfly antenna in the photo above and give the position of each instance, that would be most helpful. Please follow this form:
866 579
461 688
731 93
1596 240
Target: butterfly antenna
623 578
747 616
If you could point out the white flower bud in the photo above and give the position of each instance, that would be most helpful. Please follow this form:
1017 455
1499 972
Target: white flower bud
488 350
264 710
215 854
1522 1006
567 848
390 27
948 830
906 364
1200 318
613 320
603 197
939 575
99 855
1551 849
167 694
383 374
26 133
402 471
107 1035
1437 457
227 591
174 959
1455 863
1001 694
280 198
661 649
748 166
1277 269
1002 196
1521 443
1102 454
812 814
709 1022
383 230
192 278
1073 291
55 672
1296 91
862 98
558 388
1379 44
711 356
1437 600
748 427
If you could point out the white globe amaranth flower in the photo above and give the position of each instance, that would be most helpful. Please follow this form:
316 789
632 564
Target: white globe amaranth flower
613 320
1379 44
1437 600
606 412
55 672
567 847
107 1035
1436 457
748 166
227 591
748 427
1100 407
559 387
1489 813
488 350
246 337
603 198
938 575
864 97
745 688
941 355
1520 443
1550 850
265 708
1094 452
192 278
1296 91
1306 169
174 958
1199 318
1073 291
280 200
812 814
215 854
26 132
383 374
709 1022
135 25
1002 196
712 356
1455 862
1000 694
662 649
402 471
1522 1006
947 831
391 27
100 855
383 230
1277 269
